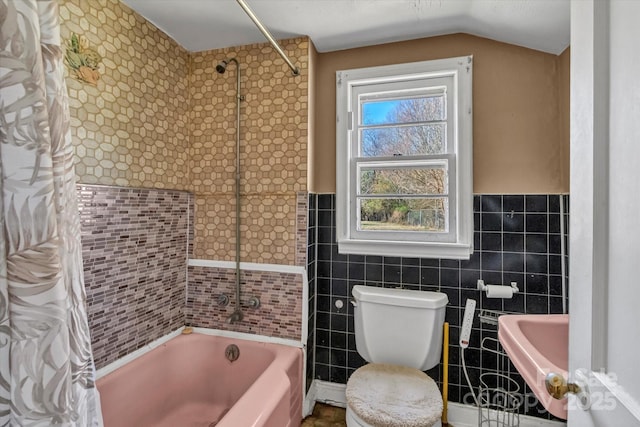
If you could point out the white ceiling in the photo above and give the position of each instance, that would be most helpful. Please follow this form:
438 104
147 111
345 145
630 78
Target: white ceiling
341 24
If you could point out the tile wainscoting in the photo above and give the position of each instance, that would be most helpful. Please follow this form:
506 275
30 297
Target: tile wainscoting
134 250
279 288
140 286
311 283
280 294
517 238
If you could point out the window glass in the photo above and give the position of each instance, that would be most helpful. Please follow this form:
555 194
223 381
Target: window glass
407 110
404 159
415 214
403 140
389 180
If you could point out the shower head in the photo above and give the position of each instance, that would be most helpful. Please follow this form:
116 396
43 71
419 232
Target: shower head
222 65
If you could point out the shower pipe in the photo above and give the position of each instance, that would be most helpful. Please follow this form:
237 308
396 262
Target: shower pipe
267 34
237 315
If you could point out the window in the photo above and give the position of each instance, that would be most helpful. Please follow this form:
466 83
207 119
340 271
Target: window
404 160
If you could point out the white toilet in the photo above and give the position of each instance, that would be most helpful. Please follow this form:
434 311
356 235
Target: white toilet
399 332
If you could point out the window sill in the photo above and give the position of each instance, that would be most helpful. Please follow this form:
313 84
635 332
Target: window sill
406 249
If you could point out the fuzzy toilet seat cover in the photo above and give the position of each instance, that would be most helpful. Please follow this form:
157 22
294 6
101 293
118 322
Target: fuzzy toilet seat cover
394 396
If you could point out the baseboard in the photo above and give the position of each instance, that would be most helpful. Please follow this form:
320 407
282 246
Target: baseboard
324 392
309 400
458 414
333 394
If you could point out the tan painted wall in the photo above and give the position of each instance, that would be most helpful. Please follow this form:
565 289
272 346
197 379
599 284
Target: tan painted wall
313 61
518 145
273 151
130 129
564 90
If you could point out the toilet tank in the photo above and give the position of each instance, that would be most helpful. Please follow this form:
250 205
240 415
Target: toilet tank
399 326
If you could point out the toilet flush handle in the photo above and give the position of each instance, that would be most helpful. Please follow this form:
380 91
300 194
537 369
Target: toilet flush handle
353 302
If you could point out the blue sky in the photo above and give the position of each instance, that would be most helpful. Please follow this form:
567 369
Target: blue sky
376 112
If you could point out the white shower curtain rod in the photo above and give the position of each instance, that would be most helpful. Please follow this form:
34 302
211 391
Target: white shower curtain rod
269 37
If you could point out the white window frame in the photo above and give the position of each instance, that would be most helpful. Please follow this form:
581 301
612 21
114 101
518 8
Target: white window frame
457 241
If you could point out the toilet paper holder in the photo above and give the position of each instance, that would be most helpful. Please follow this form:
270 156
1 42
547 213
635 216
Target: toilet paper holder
498 291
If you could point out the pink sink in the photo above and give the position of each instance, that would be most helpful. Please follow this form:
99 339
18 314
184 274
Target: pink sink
538 344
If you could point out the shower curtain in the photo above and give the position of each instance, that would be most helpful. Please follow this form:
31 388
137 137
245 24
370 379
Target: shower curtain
46 365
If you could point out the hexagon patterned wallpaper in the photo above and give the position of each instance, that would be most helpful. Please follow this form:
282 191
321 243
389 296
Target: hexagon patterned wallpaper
161 117
273 151
130 129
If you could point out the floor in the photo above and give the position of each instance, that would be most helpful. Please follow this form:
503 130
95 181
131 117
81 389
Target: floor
463 416
325 416
328 416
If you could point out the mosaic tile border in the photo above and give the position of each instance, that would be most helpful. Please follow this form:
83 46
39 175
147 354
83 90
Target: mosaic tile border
134 249
302 212
280 312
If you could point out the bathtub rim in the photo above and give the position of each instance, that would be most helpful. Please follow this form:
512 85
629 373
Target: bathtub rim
105 370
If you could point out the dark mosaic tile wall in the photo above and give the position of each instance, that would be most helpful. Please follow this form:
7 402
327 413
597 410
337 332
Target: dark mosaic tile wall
134 249
280 313
517 238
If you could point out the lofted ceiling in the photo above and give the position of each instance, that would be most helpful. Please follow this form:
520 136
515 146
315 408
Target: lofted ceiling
342 24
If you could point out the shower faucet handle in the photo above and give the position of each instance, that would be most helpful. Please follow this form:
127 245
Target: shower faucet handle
254 302
223 300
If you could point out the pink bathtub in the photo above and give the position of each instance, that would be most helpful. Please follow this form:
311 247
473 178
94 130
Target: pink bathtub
188 382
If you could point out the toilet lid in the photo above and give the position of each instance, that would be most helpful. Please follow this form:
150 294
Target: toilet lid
394 396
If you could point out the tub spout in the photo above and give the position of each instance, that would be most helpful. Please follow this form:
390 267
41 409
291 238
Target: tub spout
235 317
